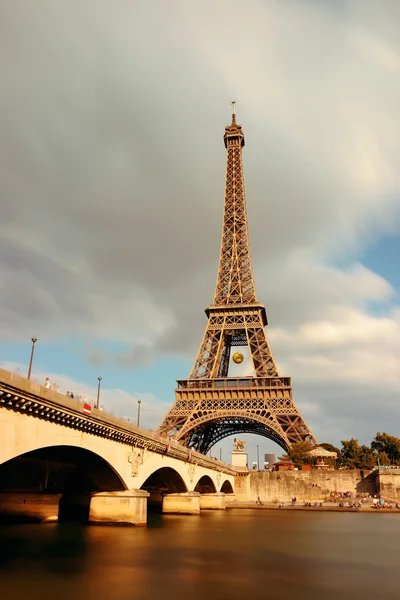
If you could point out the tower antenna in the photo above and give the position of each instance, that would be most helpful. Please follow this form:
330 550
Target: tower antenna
233 111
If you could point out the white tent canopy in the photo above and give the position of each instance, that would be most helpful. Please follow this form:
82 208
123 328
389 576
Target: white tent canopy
319 451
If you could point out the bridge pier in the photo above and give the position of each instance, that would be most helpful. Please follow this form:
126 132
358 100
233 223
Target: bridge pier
155 500
128 507
229 498
214 501
187 503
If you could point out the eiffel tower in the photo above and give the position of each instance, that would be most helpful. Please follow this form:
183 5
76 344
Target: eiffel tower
210 405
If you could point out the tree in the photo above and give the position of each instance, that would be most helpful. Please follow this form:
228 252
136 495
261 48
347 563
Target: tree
298 454
383 459
389 445
367 459
356 456
350 453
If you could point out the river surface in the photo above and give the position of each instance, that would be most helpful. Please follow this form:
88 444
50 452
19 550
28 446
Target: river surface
235 554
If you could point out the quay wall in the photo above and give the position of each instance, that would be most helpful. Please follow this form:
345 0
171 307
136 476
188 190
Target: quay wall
389 484
282 486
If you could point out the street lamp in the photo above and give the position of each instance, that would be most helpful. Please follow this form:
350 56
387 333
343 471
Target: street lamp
34 340
98 392
220 454
258 457
376 454
138 412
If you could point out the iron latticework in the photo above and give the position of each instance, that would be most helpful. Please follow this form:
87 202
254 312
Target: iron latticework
210 405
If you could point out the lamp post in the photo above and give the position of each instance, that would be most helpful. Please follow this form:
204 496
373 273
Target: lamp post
220 454
258 457
98 392
138 412
376 453
34 340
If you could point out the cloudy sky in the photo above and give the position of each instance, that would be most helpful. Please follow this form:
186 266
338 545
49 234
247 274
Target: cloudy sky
111 195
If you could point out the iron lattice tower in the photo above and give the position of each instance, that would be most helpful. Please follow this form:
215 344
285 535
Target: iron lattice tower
210 405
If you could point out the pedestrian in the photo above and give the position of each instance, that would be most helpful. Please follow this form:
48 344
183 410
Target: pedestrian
47 383
68 395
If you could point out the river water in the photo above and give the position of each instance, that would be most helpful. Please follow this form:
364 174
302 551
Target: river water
235 554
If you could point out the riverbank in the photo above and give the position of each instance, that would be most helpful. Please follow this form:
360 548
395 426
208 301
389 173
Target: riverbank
324 508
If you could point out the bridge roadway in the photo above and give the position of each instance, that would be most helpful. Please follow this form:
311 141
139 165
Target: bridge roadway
55 459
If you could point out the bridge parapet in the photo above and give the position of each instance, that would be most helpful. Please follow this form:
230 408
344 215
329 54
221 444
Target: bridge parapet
29 398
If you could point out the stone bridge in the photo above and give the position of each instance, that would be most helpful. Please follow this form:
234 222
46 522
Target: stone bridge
57 462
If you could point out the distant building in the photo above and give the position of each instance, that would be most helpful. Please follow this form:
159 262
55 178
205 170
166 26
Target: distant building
270 459
284 465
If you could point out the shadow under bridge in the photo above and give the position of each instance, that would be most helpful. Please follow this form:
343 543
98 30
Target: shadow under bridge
42 483
163 481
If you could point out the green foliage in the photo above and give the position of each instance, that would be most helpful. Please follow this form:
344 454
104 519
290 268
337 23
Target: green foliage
298 454
367 459
389 445
355 456
383 459
331 448
384 448
350 453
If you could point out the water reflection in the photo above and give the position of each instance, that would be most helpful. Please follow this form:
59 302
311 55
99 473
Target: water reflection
220 555
61 549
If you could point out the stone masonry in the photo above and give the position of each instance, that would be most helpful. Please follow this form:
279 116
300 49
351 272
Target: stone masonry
282 486
389 484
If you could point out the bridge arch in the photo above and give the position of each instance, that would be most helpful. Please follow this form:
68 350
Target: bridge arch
226 487
205 485
59 469
165 480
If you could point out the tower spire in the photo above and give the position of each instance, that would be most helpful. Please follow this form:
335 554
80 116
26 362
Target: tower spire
235 283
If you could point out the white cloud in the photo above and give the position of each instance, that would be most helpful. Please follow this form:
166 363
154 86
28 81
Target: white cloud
349 327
